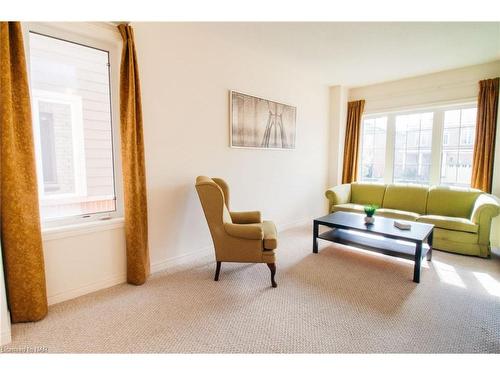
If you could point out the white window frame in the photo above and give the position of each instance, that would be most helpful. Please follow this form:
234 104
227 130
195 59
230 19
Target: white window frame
106 38
437 136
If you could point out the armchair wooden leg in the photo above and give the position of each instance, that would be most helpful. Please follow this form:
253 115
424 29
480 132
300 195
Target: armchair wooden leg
217 271
272 267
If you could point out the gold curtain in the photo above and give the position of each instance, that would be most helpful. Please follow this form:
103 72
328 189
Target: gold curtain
19 212
486 124
351 144
134 178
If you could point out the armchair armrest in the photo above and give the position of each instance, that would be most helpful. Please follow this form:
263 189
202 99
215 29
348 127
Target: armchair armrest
246 217
245 231
486 208
339 194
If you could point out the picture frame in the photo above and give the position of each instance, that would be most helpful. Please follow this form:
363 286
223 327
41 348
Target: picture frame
258 123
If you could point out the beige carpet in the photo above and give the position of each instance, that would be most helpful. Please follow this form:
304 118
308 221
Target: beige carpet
340 300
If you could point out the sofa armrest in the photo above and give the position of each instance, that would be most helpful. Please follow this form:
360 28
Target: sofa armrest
486 207
339 194
245 231
246 217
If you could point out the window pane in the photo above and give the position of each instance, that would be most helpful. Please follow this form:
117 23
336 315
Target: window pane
398 171
72 121
368 126
469 116
399 156
450 137
56 138
373 138
412 139
458 143
426 120
367 155
452 119
400 140
368 140
412 157
412 154
426 138
467 136
464 167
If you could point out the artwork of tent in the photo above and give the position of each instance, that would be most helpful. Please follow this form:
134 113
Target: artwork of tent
261 123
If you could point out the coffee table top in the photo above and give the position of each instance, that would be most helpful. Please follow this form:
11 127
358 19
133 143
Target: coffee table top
382 225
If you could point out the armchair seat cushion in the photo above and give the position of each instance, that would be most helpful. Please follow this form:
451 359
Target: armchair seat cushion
270 235
448 222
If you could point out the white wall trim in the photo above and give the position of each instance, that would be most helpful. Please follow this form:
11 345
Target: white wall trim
294 224
55 233
420 106
181 259
86 289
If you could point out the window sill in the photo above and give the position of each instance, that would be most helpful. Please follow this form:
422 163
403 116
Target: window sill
75 230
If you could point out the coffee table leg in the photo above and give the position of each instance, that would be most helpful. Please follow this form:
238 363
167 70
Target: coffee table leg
429 242
315 237
418 261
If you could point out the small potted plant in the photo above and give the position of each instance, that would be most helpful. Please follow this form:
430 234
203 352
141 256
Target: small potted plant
370 211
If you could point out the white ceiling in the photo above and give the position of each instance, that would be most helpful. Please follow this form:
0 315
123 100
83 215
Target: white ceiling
356 54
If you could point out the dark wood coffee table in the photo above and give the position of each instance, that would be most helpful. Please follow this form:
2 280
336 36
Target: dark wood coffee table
383 237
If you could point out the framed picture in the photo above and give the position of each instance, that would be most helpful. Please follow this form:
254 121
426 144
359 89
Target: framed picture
261 123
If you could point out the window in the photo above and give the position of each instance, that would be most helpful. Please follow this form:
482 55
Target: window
412 151
458 144
70 87
430 146
373 149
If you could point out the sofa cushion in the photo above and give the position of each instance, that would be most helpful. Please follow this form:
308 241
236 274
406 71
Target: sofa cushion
367 194
349 207
411 198
452 223
397 214
451 201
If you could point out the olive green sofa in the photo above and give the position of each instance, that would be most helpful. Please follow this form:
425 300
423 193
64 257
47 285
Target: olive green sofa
461 217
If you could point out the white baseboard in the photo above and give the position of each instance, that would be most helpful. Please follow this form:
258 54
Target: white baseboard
181 259
294 224
86 289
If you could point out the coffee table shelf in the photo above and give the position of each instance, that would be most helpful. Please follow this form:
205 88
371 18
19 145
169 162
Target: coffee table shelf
396 248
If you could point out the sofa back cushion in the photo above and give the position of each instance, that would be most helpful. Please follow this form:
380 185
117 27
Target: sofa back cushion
411 198
367 193
451 201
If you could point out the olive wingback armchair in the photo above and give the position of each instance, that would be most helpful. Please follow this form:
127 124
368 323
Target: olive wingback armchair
237 236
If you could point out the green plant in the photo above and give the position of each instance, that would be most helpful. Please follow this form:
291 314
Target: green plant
370 210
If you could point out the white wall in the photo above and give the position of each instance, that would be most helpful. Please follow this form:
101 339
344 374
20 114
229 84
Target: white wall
338 118
84 258
186 71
